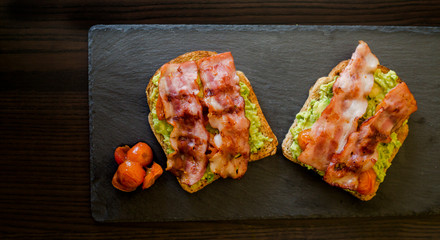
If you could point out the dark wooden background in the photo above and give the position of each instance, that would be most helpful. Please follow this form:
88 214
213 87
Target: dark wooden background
44 136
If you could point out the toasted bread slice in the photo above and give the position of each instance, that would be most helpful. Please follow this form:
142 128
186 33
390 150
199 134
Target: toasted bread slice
268 149
402 132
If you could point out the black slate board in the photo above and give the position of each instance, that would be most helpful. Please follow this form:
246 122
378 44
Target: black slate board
282 63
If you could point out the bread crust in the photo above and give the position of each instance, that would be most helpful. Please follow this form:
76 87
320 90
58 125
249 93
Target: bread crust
401 132
269 148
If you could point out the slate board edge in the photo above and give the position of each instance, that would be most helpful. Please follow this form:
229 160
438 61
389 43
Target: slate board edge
267 28
90 99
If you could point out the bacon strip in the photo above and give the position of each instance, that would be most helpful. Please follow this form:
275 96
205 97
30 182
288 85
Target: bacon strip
179 105
226 113
360 154
330 132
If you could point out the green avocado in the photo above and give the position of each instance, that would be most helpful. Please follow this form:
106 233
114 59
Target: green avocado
385 151
160 126
383 83
256 137
305 119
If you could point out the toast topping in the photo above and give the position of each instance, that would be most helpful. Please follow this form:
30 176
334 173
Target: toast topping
223 103
349 168
226 112
330 132
179 105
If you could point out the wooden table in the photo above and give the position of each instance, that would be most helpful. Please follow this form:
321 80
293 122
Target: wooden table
44 135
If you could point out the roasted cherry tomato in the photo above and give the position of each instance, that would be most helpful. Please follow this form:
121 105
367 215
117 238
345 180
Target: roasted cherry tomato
121 154
152 174
367 180
129 176
140 153
304 138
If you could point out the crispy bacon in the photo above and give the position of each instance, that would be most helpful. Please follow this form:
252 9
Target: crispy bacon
330 132
159 109
179 105
352 168
226 113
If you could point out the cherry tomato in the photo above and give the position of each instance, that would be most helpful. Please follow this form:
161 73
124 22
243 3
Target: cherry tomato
129 176
140 153
153 173
367 180
304 138
121 154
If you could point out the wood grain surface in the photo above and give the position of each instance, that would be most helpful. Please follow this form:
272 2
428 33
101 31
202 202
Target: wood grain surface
44 136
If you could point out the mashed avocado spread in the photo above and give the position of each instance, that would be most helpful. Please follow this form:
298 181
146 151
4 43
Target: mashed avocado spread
256 137
160 126
383 83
